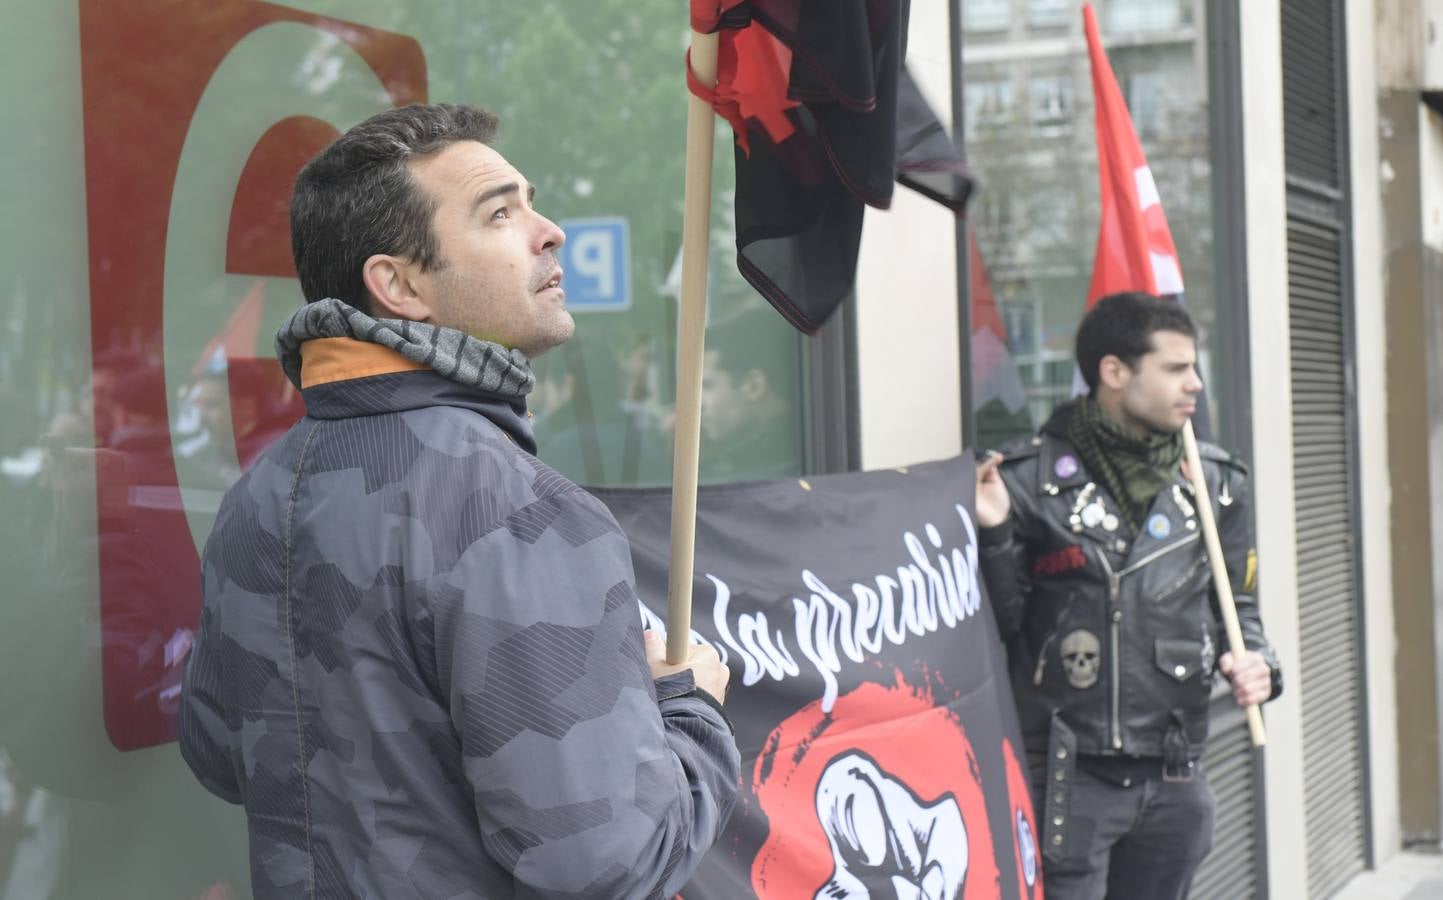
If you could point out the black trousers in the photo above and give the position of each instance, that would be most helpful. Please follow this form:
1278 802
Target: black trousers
1139 838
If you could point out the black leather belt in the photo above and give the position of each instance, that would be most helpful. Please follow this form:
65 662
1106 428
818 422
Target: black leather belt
1126 771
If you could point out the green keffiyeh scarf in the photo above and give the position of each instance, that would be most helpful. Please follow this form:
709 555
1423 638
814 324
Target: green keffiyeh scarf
1132 468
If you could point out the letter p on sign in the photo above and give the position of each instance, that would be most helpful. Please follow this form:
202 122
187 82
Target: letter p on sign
597 261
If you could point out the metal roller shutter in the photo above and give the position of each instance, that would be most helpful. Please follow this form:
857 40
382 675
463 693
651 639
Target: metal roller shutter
1319 305
1233 870
1327 561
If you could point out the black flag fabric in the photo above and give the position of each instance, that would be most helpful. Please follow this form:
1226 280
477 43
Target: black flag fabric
881 755
826 119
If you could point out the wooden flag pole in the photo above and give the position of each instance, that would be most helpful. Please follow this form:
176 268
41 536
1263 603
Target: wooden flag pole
1221 583
690 347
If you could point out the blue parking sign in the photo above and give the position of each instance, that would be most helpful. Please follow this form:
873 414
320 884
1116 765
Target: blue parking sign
597 260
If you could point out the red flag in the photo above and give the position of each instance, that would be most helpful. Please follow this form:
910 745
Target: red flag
1135 251
826 120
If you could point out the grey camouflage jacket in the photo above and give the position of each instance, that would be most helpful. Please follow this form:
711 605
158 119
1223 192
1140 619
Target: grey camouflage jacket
420 667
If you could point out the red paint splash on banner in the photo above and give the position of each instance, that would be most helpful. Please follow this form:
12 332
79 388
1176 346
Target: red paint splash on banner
914 743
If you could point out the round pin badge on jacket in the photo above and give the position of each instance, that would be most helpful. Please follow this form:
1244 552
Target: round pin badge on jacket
1066 466
1158 526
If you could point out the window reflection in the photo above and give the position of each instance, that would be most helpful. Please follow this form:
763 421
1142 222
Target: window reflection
141 293
1050 104
986 15
1050 13
990 106
1037 216
1123 16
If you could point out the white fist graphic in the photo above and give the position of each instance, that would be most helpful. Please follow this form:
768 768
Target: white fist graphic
886 844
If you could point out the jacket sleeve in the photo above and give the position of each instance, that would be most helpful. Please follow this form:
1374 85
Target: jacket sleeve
588 778
1233 501
1005 562
209 732
205 740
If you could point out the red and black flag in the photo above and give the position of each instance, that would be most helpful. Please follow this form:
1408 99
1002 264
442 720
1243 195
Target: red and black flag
995 376
826 120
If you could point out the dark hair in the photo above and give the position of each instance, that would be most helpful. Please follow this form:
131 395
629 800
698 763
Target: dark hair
1122 325
358 198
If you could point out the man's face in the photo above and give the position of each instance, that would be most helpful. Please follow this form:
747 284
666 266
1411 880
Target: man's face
1161 394
498 279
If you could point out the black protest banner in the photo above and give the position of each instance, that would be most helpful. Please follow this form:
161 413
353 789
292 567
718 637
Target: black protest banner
880 750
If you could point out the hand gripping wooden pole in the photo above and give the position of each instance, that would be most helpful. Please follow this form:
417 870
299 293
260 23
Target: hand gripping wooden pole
690 346
1221 584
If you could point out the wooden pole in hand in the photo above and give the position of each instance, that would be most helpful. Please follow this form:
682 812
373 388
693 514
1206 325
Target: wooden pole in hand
690 346
1221 584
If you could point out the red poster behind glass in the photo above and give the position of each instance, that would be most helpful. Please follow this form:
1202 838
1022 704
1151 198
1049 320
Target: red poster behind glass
145 65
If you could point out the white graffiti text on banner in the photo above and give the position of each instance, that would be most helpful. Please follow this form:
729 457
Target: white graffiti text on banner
936 588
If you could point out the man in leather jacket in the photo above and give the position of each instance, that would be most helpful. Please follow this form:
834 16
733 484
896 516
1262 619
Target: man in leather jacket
1098 575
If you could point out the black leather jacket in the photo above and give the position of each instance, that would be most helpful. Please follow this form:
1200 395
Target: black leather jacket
1117 634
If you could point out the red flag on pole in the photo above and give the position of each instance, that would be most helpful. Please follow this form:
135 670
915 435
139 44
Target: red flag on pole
1135 251
826 121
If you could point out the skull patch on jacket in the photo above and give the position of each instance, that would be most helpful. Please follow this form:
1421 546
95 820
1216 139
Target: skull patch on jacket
1081 658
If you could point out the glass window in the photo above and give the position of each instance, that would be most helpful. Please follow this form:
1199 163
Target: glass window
993 213
1050 13
1121 16
986 15
141 289
990 107
1051 104
1145 101
1036 217
1156 82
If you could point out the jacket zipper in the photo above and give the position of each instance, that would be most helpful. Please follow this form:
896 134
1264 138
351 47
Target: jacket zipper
1114 594
1114 597
1163 552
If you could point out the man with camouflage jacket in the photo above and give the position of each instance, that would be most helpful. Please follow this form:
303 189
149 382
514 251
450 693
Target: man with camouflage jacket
420 664
1093 558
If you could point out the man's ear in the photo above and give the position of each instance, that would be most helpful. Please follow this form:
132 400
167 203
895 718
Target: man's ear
1113 373
395 288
